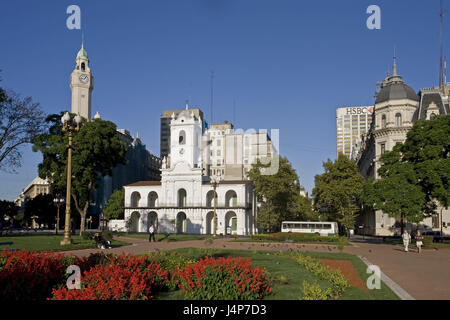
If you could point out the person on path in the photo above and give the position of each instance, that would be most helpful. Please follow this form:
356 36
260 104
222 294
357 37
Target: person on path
406 239
151 231
419 243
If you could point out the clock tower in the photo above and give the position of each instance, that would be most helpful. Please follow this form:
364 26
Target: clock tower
81 84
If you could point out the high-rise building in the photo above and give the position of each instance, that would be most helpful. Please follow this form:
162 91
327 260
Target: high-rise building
166 118
230 153
351 124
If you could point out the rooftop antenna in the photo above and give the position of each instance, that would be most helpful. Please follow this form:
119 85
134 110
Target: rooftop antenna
445 70
441 75
234 111
394 67
212 95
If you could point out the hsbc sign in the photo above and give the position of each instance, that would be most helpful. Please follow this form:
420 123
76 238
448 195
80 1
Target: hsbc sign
359 110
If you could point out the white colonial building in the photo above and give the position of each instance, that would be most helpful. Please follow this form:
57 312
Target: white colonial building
183 201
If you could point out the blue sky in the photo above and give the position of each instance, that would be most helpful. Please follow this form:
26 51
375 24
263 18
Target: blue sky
287 64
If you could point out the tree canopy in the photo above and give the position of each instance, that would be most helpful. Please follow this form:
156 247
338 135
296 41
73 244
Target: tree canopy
337 190
97 149
20 121
115 206
280 195
42 207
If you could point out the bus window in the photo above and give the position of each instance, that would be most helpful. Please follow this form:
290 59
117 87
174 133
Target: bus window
319 226
284 225
327 226
303 226
311 226
296 226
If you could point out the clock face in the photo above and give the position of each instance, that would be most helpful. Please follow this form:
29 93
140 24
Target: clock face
181 151
84 78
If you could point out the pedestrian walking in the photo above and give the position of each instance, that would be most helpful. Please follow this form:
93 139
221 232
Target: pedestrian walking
406 239
419 243
151 231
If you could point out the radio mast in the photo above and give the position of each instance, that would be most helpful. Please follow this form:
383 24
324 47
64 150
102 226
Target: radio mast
441 73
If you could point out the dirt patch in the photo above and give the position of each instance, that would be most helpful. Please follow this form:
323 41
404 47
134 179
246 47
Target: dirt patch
348 270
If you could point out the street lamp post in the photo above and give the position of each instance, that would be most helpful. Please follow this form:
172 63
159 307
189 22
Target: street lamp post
70 126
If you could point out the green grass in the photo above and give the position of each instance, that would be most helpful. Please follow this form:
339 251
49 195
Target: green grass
50 242
291 272
172 237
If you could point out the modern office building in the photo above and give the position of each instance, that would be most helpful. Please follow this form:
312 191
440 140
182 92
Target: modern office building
166 118
351 124
230 153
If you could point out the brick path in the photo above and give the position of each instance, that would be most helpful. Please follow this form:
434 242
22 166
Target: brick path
423 276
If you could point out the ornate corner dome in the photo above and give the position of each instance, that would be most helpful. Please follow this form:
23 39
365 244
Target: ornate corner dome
394 88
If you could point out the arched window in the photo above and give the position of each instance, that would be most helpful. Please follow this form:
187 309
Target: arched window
383 121
432 115
210 199
398 120
135 198
182 137
230 199
83 67
181 198
152 200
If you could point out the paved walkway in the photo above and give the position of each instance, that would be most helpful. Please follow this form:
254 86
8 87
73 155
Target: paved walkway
422 276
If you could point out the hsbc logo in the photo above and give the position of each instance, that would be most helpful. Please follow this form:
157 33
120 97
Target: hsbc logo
359 110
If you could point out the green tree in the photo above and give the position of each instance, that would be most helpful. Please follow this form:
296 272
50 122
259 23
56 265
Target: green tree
41 206
20 121
115 206
97 150
337 190
280 194
397 192
427 148
7 209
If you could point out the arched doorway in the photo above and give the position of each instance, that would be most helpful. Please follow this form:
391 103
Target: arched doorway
134 222
230 222
152 219
181 222
210 223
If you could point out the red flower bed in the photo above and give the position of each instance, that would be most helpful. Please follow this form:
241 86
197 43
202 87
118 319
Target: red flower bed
223 278
29 275
123 278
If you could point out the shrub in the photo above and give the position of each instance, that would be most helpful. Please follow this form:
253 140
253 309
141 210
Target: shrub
315 292
338 282
86 235
223 279
108 235
296 237
427 241
30 275
122 278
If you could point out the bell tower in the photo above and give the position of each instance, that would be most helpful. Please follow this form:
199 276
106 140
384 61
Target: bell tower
81 84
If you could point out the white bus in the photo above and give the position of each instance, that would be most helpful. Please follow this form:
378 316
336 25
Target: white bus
322 228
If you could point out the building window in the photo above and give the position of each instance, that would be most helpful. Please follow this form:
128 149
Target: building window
383 148
182 137
83 67
398 120
218 142
383 121
218 153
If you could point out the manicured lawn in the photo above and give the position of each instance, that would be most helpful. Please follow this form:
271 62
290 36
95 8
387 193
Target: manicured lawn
50 242
288 276
162 237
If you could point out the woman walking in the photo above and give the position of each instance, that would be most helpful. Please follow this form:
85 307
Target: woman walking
419 243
